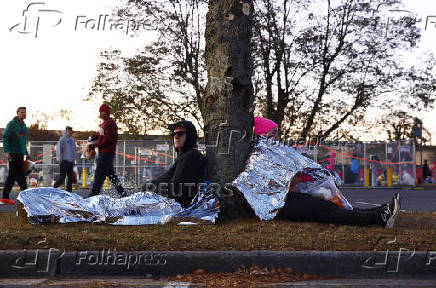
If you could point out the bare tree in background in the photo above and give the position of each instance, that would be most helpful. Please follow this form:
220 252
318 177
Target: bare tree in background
324 63
166 79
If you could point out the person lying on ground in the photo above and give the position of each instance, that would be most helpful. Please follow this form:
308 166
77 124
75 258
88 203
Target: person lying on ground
306 207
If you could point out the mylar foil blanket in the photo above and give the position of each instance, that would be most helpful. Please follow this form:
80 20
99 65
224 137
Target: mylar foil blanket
269 172
51 205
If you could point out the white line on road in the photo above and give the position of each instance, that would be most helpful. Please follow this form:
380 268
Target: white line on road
364 203
377 205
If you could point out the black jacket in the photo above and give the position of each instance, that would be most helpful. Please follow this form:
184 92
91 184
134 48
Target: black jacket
181 181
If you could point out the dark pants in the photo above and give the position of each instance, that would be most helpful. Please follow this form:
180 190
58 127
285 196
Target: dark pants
105 168
16 173
66 168
304 207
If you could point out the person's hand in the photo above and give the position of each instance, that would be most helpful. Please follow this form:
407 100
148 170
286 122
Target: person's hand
295 181
7 155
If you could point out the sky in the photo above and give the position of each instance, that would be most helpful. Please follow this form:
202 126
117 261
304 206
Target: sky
52 67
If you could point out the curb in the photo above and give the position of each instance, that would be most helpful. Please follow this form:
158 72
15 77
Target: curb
402 264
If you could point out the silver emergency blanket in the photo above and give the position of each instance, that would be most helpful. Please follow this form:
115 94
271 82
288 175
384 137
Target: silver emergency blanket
269 172
51 205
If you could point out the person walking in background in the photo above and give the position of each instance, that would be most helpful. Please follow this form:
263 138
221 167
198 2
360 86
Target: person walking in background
106 142
14 146
355 170
66 155
426 173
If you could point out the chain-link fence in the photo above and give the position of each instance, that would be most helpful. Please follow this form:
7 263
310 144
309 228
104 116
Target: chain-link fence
137 162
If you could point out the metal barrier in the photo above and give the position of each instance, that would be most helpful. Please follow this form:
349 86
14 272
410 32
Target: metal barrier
140 161
136 162
367 164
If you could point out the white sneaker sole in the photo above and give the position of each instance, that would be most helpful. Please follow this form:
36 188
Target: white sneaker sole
391 221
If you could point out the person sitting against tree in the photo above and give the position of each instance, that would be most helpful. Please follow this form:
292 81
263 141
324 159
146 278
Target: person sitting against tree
305 207
181 181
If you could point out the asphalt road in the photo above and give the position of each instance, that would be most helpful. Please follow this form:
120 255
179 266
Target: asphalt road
412 200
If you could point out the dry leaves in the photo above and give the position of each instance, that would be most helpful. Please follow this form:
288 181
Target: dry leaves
251 277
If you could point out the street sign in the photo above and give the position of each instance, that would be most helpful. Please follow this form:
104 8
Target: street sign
162 147
145 151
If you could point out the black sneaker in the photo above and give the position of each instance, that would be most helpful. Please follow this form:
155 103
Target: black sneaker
389 211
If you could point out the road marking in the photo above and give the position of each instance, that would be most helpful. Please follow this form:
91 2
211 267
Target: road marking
364 203
377 205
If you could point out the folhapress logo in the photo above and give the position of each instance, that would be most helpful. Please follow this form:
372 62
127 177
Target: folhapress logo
35 17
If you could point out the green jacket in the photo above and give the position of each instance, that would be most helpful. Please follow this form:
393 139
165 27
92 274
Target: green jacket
15 137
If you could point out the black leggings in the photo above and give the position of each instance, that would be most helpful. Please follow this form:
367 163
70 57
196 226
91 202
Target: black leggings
304 207
66 168
16 173
105 167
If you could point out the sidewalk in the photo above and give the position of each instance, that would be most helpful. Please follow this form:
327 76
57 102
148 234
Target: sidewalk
146 283
400 264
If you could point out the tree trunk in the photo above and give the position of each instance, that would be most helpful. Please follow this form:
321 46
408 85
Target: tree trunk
229 97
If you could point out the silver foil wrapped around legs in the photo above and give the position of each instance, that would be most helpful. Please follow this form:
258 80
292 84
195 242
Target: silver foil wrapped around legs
51 205
266 180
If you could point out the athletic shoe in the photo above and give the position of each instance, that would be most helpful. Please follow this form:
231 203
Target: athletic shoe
389 211
7 202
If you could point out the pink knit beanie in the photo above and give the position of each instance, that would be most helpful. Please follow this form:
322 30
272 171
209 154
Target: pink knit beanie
263 125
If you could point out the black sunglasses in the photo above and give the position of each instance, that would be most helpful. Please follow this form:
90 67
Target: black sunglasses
178 133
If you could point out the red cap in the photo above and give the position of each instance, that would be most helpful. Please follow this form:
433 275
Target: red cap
105 108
